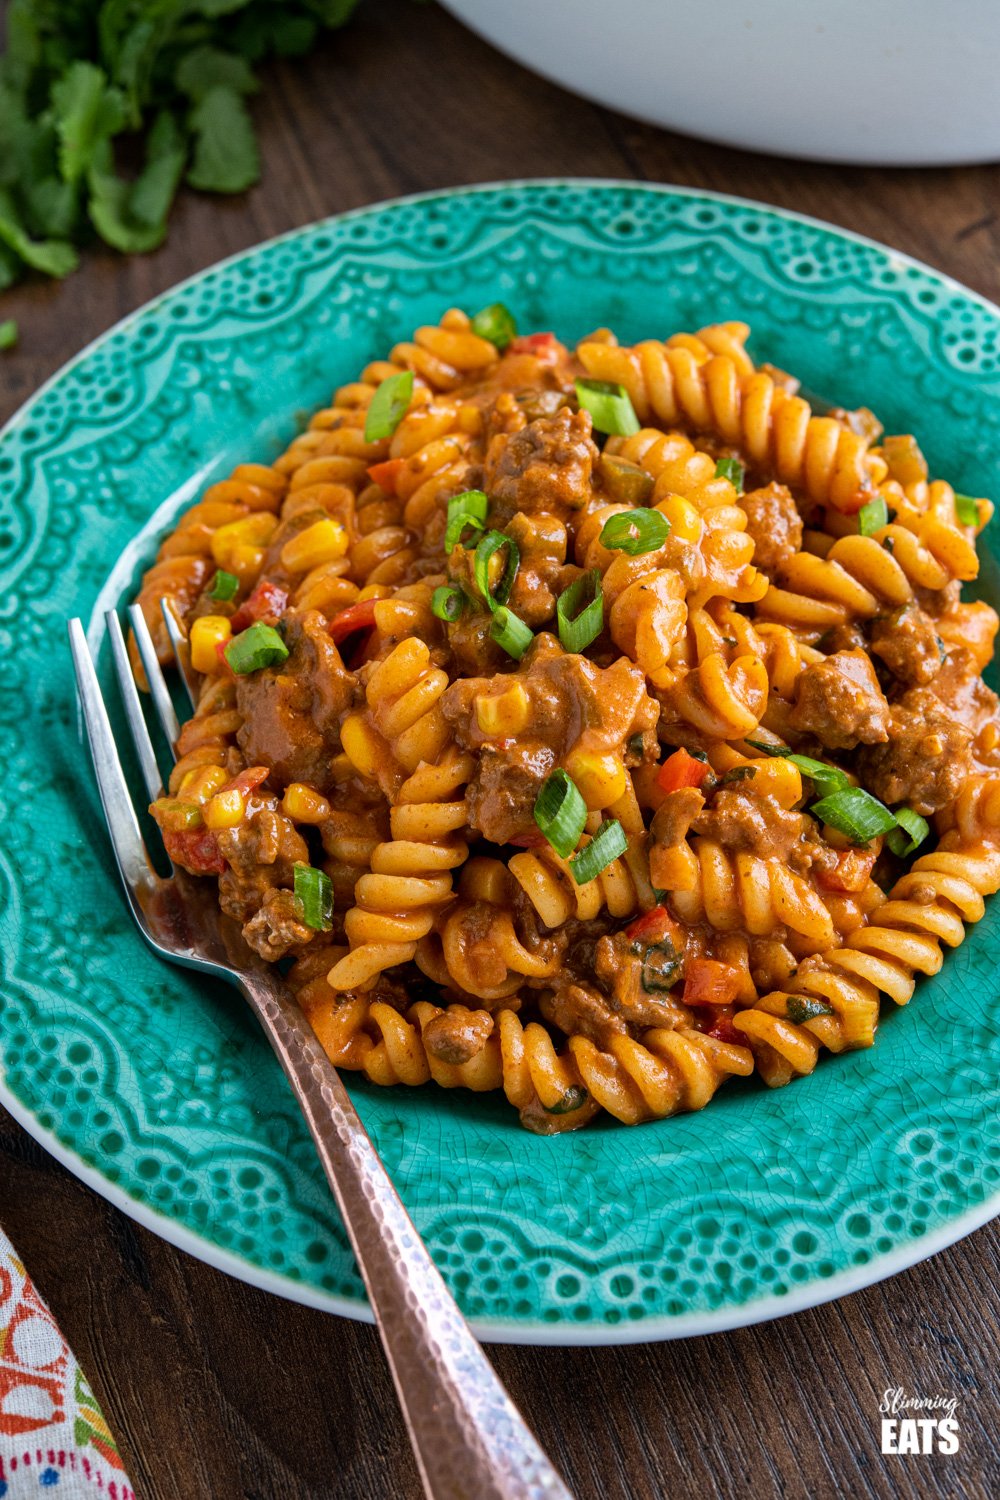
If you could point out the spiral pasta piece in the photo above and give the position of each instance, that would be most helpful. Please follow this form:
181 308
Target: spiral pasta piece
732 891
835 1003
778 432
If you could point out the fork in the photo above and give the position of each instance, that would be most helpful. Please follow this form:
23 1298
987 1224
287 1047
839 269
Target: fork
469 1440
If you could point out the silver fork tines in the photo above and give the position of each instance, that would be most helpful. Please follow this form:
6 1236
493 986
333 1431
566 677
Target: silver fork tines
468 1437
181 650
158 689
126 840
133 708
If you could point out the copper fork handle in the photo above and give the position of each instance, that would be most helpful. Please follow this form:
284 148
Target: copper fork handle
469 1439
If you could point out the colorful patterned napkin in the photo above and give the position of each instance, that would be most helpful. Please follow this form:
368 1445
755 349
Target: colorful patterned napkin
54 1442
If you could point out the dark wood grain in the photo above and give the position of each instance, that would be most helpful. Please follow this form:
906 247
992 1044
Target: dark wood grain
217 1391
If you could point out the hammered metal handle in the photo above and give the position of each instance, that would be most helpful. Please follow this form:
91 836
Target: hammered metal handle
469 1439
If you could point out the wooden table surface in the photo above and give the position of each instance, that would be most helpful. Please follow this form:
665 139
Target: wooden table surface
217 1390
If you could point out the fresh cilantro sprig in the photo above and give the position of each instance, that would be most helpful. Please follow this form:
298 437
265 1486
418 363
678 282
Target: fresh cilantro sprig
106 108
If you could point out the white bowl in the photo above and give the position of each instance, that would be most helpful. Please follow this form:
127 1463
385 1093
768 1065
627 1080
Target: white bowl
890 82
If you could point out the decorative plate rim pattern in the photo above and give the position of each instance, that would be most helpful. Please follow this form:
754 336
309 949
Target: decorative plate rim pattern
816 1288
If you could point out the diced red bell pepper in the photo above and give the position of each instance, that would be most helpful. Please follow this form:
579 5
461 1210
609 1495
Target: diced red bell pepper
531 343
386 474
195 850
655 926
851 872
709 982
247 781
725 1031
681 769
268 602
360 616
220 651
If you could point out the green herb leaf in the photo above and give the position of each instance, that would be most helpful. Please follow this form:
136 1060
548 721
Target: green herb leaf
225 151
802 1008
87 111
53 257
207 68
731 469
575 1097
8 334
132 217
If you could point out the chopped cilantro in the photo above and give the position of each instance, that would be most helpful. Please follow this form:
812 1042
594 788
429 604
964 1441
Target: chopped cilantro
173 77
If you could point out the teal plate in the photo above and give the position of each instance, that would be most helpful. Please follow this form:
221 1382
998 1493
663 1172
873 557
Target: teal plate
156 1088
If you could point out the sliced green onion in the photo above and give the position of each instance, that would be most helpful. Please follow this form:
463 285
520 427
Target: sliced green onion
8 334
314 889
225 586
578 627
608 844
447 603
731 469
259 646
967 510
493 542
388 406
910 833
609 405
873 516
855 813
467 509
510 632
800 1009
561 812
635 532
574 1098
495 323
826 778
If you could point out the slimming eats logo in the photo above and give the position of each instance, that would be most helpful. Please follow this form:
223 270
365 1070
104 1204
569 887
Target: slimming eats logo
918 1424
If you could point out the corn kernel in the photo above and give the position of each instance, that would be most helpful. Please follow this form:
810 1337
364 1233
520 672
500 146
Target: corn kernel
375 591
226 809
235 543
206 633
601 778
323 542
201 783
780 780
685 522
361 744
505 713
303 804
